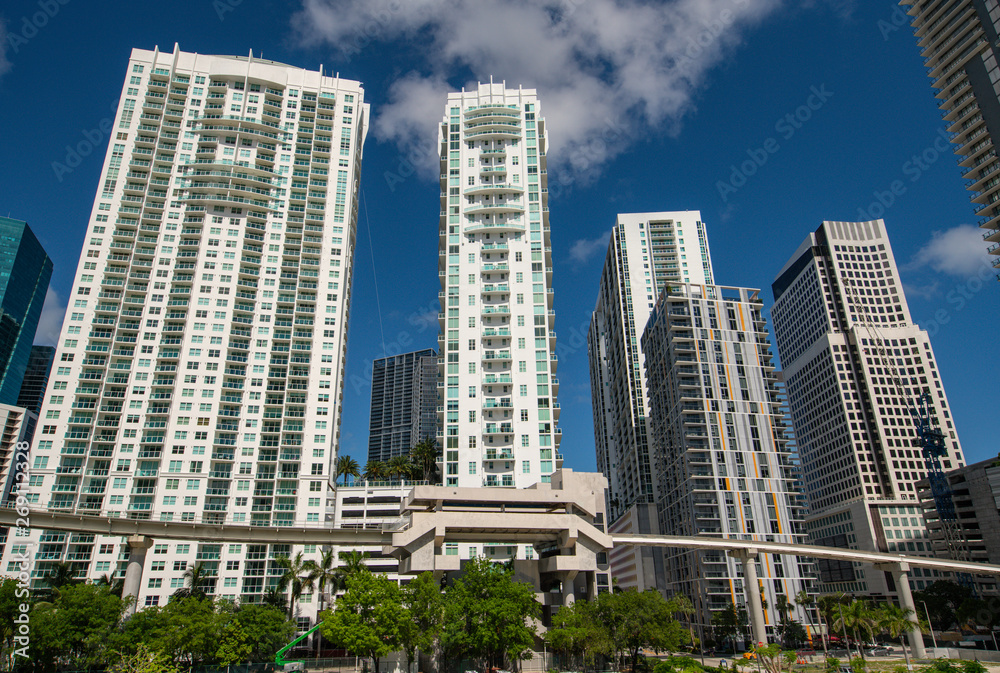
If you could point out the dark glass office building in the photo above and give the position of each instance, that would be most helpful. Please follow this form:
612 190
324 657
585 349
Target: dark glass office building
36 378
404 403
25 270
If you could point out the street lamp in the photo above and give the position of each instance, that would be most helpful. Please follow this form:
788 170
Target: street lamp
931 626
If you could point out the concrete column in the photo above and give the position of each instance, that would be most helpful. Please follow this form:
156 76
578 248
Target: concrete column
137 546
591 585
751 585
569 597
901 579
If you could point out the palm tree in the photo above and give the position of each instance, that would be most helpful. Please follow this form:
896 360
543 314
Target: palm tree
425 455
196 578
783 607
275 597
684 606
353 562
829 606
374 470
347 467
60 574
898 622
805 601
860 618
324 573
116 586
295 579
398 466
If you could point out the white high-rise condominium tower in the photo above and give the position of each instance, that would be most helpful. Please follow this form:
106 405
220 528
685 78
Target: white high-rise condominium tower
199 371
498 409
960 43
647 251
854 365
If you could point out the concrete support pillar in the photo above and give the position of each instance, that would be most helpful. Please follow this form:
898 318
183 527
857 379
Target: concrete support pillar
751 585
569 597
137 547
591 585
902 581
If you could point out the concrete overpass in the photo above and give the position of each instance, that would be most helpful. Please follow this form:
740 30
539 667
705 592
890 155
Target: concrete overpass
433 514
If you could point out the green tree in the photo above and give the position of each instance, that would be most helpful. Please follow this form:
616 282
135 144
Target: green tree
143 660
829 610
374 471
858 617
295 579
423 612
117 585
267 628
943 599
347 467
806 601
398 466
486 616
897 622
775 660
425 454
74 629
729 623
10 609
353 562
234 644
197 581
324 574
635 620
576 634
684 606
275 597
367 617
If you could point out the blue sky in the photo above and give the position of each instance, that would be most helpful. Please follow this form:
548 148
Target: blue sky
650 106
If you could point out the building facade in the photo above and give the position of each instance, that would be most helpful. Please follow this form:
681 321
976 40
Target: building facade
855 365
498 410
404 403
36 378
25 270
960 43
18 427
719 444
647 251
975 493
199 371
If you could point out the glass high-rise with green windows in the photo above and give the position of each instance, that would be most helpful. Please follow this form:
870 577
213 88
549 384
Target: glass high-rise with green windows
25 270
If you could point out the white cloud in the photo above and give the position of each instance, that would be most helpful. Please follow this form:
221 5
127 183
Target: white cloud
5 65
960 251
582 250
606 71
51 320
